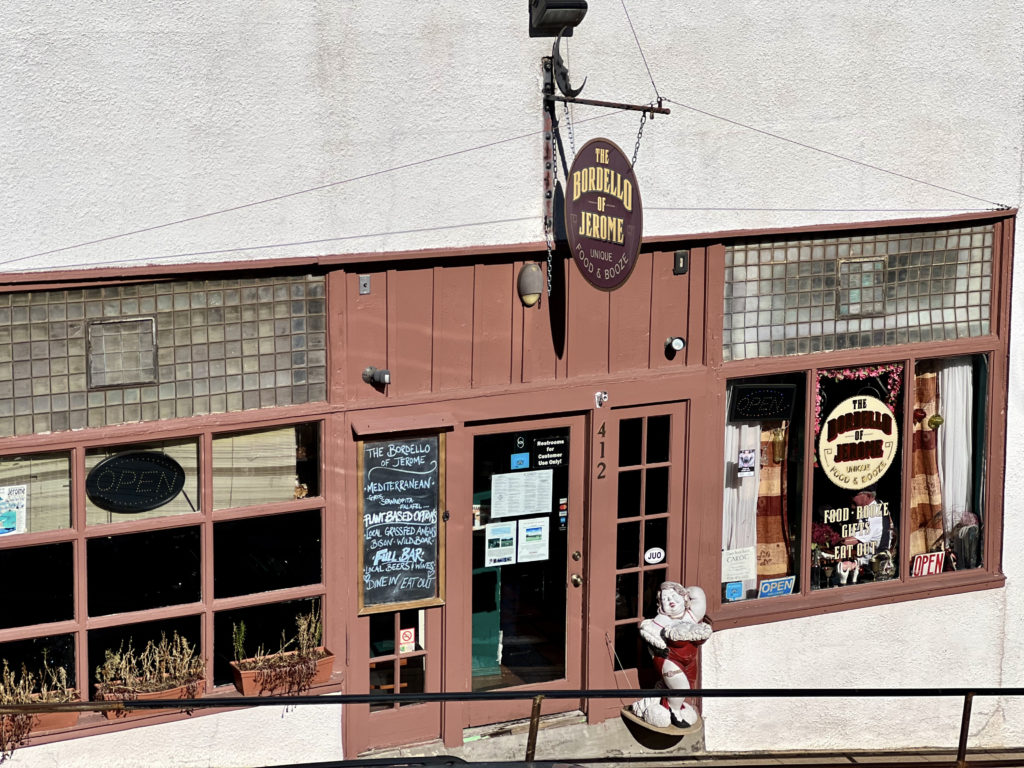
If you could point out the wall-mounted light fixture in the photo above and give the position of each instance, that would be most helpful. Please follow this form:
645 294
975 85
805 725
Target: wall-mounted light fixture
378 377
530 283
674 344
549 17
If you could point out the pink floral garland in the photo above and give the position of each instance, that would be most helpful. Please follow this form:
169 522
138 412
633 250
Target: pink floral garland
894 372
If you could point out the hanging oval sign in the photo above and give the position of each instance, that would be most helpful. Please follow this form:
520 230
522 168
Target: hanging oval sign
603 214
134 482
858 442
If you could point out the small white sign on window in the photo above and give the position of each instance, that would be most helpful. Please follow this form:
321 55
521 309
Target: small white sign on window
739 564
13 506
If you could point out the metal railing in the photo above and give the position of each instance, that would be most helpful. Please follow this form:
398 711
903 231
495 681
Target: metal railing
536 697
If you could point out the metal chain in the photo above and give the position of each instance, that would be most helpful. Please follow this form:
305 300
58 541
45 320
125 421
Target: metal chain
549 223
639 135
568 122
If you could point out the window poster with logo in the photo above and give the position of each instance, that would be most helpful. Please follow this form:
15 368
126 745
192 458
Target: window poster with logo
857 474
13 506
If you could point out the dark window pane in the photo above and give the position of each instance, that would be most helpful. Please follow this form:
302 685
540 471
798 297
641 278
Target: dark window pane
627 646
40 584
630 445
57 650
136 636
412 677
264 553
382 634
266 626
627 588
658 431
382 680
652 580
629 493
656 533
627 547
656 497
139 571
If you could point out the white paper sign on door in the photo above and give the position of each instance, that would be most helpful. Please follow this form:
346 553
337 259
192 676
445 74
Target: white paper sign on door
521 493
533 539
500 544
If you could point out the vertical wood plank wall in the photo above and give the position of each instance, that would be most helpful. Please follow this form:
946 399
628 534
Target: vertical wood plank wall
447 328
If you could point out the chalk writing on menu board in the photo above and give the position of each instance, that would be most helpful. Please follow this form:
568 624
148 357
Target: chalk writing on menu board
401 499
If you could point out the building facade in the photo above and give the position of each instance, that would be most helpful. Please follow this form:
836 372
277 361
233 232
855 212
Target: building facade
803 398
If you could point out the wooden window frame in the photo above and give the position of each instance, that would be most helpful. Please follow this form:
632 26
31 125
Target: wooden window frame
995 345
133 436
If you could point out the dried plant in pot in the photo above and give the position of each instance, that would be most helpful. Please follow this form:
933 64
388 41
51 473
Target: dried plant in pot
54 688
296 666
14 727
50 687
169 669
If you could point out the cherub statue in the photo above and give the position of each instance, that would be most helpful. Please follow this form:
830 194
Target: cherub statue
673 637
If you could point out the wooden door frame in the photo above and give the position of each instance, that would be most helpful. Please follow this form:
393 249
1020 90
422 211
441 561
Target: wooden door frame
601 539
458 675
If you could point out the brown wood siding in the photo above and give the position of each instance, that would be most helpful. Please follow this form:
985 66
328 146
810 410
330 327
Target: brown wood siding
410 310
444 329
587 318
493 292
453 328
367 338
630 319
669 301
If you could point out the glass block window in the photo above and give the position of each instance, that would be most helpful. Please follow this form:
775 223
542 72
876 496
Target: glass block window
794 297
122 352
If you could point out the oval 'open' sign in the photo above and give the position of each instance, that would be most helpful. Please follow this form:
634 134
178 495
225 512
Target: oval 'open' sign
134 482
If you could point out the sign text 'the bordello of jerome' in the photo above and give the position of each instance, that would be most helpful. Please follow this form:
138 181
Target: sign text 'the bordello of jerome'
858 442
603 214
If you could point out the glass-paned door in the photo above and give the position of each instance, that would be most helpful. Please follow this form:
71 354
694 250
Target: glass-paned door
527 562
638 483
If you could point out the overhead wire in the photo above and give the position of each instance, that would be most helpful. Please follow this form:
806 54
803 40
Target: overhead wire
318 241
287 195
640 48
498 142
832 154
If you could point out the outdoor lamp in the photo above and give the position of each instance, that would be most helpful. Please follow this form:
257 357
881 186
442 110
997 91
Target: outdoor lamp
530 284
549 17
379 377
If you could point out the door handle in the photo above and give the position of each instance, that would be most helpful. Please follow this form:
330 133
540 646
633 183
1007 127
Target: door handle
576 579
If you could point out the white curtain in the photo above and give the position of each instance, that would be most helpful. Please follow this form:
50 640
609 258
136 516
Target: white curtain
739 501
955 449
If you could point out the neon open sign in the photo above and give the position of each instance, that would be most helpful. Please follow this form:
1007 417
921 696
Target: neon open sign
134 482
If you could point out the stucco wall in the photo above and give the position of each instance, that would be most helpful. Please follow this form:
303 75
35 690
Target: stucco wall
120 119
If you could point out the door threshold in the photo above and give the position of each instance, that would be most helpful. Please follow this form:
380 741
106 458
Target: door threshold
555 720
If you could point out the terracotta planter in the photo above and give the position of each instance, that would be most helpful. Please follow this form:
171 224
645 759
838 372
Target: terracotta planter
180 692
54 721
249 683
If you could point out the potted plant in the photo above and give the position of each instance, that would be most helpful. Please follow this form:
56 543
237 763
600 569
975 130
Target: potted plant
14 727
51 687
169 669
54 688
298 664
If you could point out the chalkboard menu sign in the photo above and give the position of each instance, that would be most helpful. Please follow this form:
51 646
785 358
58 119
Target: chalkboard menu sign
401 500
